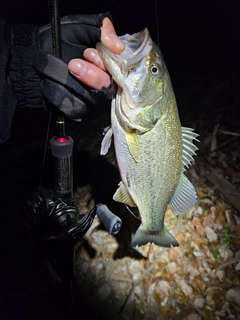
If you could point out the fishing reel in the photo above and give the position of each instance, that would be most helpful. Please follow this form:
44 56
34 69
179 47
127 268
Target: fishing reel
54 217
56 220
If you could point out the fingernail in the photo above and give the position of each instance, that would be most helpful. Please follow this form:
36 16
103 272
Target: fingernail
92 55
78 68
112 41
116 41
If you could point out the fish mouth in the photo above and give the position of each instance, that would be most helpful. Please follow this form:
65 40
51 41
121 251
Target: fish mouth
134 44
137 46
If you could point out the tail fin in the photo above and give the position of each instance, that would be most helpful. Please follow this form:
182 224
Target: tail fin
163 238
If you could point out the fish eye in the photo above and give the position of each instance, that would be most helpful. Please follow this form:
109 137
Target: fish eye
155 70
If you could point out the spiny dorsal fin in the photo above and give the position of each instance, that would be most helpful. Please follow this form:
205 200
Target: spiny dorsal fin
188 148
184 197
133 145
107 140
122 195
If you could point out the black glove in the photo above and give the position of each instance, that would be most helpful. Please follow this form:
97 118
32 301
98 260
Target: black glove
37 77
58 86
78 32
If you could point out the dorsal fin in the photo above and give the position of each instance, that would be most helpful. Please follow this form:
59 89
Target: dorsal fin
188 148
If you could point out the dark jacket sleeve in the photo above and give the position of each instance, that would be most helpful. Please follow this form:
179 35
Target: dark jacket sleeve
19 82
8 101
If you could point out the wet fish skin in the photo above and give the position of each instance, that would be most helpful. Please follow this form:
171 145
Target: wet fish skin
152 149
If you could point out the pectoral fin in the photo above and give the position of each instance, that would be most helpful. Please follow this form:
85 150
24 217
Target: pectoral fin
107 140
122 195
133 145
184 197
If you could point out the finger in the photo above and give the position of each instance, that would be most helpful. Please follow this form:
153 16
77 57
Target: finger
89 74
70 104
92 55
109 37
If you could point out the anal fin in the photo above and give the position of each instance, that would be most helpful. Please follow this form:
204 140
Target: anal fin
122 195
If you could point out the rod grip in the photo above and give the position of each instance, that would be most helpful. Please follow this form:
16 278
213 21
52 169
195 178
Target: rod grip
62 149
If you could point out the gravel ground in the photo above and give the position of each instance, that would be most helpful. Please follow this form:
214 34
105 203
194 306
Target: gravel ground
197 280
200 278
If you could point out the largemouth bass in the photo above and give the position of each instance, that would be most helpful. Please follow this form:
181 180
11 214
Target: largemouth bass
152 149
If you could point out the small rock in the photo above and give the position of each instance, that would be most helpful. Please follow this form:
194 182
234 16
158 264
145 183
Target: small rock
162 287
186 288
210 234
171 267
220 274
138 290
225 252
233 295
199 302
193 272
197 253
200 210
135 268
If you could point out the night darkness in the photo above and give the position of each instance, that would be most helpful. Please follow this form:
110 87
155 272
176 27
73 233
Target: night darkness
200 37
199 40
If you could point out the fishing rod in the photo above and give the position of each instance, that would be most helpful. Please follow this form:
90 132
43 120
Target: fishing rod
57 224
62 144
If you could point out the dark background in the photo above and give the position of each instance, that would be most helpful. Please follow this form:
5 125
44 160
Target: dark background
195 36
200 44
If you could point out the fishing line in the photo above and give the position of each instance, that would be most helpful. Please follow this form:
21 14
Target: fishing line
132 212
45 147
54 17
157 22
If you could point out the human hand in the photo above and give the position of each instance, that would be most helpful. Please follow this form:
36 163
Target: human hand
59 87
91 72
